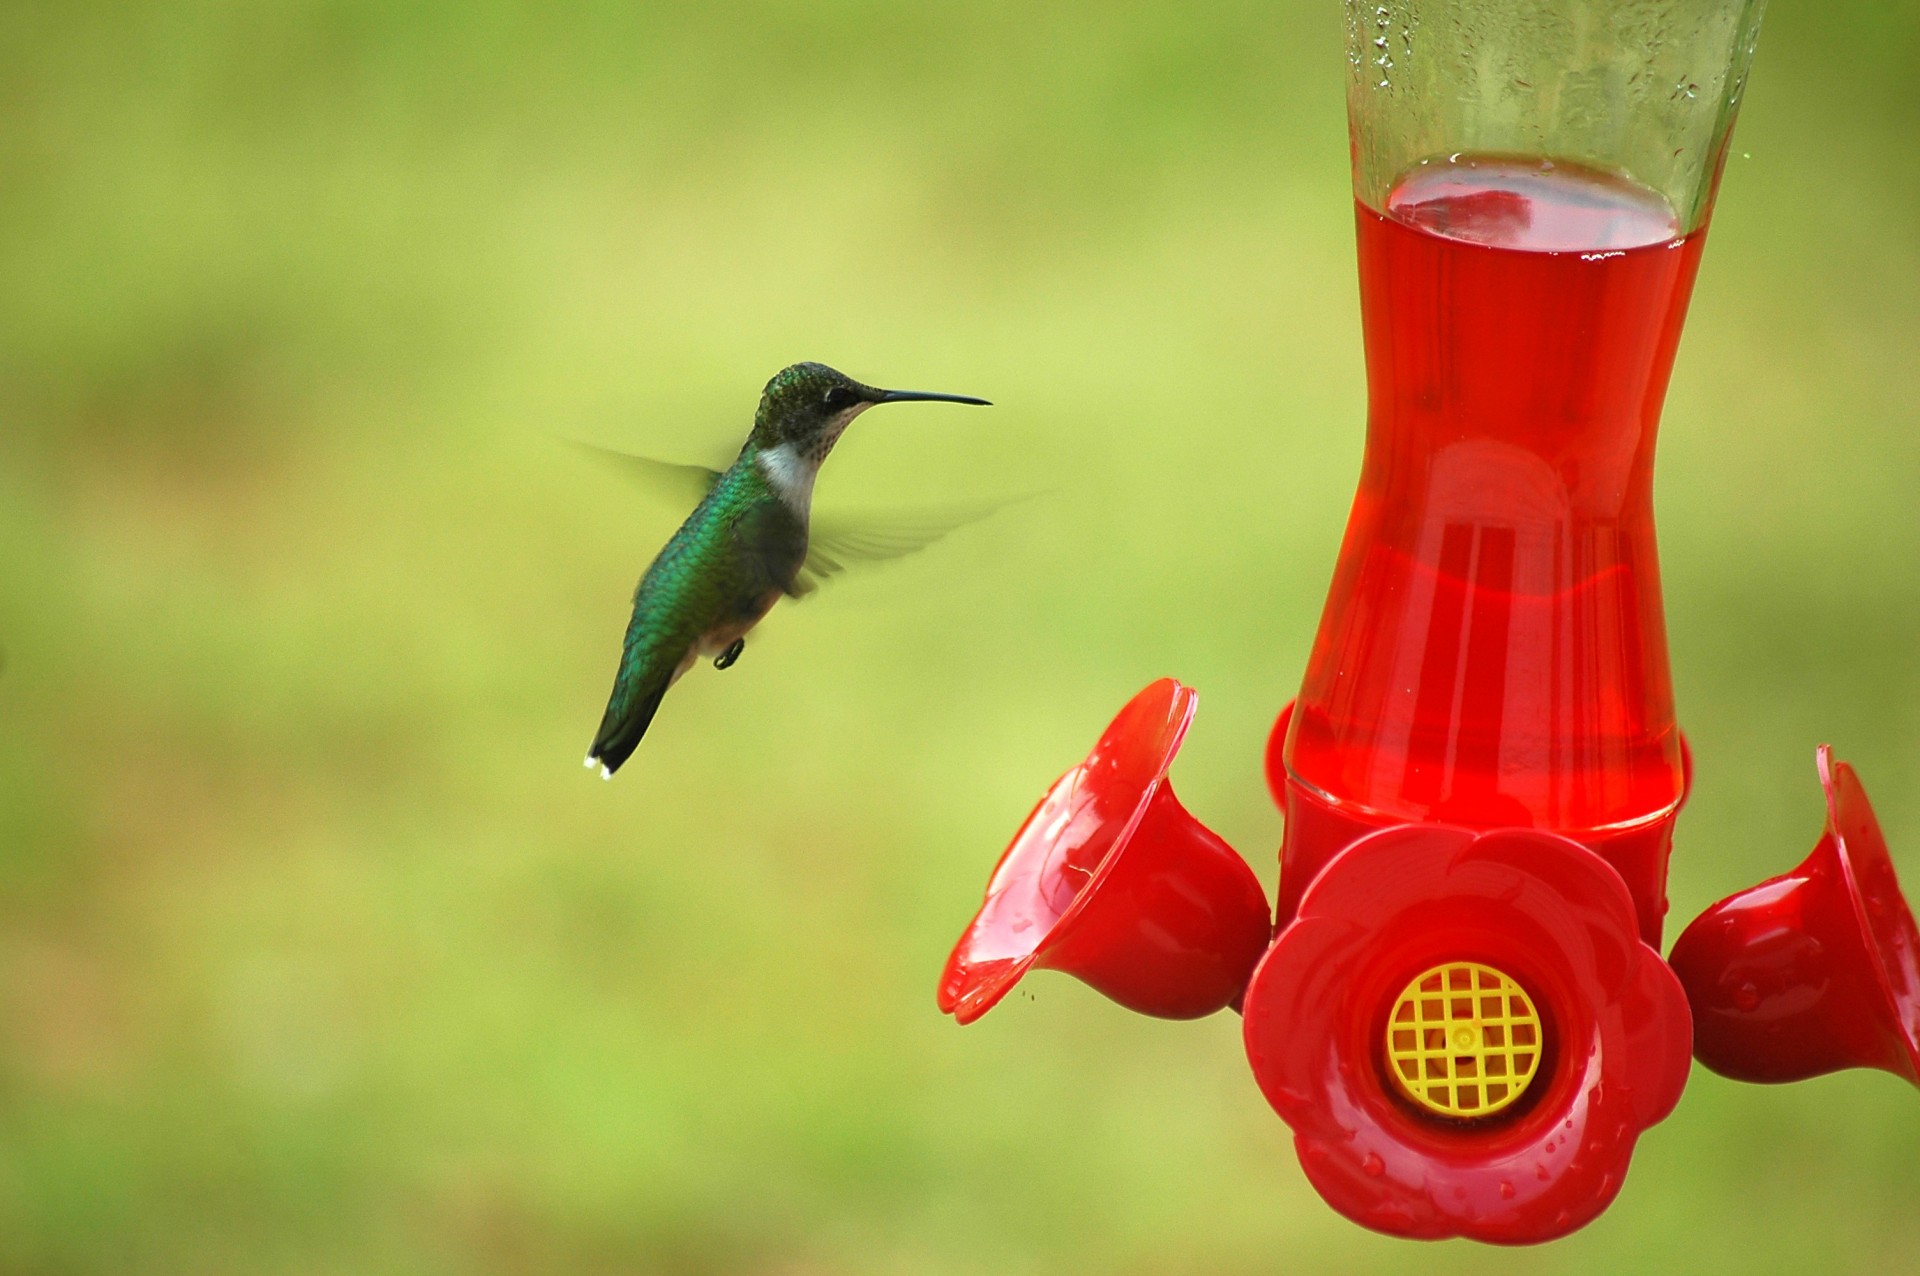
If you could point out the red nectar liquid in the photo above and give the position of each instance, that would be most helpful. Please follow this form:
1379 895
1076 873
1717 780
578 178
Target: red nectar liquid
1493 651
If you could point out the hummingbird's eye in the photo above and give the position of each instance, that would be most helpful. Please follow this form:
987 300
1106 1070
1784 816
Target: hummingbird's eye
838 397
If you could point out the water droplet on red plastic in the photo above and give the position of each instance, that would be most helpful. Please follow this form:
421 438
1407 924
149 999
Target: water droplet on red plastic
1506 1190
1746 996
1373 1166
1390 1216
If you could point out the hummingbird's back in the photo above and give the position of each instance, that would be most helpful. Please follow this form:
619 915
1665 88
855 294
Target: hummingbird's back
738 551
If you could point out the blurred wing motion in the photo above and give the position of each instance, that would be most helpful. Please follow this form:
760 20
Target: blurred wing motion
836 542
683 484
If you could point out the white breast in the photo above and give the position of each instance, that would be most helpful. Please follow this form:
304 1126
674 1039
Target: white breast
790 475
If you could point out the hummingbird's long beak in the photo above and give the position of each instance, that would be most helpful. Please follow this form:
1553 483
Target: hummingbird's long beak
916 396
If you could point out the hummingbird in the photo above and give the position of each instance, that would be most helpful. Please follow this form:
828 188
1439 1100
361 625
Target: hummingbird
748 543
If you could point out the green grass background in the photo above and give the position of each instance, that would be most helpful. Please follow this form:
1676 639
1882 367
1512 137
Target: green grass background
319 953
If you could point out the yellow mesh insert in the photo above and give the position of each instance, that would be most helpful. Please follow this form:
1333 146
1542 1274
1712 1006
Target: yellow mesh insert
1463 1040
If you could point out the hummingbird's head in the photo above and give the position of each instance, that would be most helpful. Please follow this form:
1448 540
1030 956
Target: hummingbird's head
806 407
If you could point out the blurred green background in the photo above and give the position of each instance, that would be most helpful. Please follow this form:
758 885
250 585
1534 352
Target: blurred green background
318 950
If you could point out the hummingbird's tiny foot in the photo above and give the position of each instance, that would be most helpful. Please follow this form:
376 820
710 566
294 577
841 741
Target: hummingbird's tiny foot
726 658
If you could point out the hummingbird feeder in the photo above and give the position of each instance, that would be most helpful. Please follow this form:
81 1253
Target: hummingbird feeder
1458 1003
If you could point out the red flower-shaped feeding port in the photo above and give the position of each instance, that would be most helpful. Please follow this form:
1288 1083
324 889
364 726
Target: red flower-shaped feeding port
1814 970
1466 1033
1112 881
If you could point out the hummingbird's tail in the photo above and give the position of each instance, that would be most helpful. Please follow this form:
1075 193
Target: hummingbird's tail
626 721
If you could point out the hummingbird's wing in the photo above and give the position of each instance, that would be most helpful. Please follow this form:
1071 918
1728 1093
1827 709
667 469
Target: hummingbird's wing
838 541
686 484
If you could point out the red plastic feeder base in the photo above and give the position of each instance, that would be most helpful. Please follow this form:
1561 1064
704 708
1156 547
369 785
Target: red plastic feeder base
1466 1033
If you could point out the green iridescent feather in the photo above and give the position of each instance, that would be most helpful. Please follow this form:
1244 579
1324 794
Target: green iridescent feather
740 544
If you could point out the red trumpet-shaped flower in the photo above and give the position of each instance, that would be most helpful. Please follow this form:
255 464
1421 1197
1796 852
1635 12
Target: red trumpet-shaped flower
1466 1033
1814 970
1113 882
